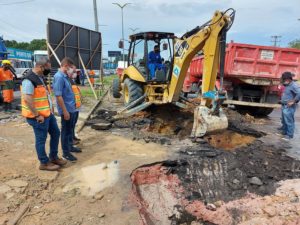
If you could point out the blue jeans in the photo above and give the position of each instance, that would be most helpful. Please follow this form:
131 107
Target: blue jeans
41 131
75 119
82 81
155 66
288 120
67 134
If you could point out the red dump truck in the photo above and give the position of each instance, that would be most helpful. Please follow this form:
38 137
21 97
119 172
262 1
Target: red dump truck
252 76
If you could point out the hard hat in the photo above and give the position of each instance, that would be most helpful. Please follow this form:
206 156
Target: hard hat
6 62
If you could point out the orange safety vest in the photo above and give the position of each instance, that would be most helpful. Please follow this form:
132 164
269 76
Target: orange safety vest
40 98
76 92
5 75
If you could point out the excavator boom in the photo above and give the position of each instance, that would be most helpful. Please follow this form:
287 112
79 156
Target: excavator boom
211 40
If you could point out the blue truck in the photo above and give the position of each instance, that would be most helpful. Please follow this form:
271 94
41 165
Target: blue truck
3 50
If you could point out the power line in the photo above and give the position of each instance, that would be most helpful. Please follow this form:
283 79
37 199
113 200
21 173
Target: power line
276 39
15 3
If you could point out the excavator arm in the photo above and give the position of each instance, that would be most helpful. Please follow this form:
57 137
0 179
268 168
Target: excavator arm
206 38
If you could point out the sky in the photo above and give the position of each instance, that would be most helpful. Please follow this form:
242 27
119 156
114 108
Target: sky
256 20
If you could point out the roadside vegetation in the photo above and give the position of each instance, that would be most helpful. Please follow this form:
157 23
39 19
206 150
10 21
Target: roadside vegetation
86 91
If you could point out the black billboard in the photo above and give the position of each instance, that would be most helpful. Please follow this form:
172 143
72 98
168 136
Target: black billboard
114 53
68 40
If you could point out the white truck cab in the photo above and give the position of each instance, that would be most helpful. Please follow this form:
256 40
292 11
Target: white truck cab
39 54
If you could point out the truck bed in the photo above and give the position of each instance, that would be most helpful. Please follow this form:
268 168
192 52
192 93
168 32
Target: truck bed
255 61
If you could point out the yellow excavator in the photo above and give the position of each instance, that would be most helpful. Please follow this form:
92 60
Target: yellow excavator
156 77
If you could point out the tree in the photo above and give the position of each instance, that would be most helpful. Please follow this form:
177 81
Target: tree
35 44
295 44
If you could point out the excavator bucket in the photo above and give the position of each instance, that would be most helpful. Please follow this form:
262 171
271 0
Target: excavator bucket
205 122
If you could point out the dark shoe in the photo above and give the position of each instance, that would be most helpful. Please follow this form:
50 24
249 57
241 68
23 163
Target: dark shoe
280 134
5 107
70 157
49 166
77 139
76 150
76 142
286 138
280 129
58 161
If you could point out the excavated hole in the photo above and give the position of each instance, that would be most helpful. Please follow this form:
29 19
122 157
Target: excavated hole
161 124
229 140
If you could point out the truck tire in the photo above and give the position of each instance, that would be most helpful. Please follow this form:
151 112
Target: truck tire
132 91
264 111
116 88
255 111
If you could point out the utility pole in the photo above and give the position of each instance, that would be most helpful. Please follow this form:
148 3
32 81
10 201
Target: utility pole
96 16
122 7
276 39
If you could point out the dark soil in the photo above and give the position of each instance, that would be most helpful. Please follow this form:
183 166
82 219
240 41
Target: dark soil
209 175
158 124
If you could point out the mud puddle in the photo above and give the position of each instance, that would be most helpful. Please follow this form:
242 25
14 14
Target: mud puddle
229 140
92 179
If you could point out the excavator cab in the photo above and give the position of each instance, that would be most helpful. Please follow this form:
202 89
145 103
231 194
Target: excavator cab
158 63
151 53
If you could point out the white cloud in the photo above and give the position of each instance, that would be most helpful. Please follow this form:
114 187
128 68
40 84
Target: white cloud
256 20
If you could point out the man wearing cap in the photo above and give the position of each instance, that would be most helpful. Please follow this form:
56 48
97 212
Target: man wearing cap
7 84
289 100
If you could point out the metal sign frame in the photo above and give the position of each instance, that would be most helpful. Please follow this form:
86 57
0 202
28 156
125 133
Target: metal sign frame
81 45
68 40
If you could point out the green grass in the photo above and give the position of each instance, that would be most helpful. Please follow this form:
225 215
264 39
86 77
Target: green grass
107 81
87 92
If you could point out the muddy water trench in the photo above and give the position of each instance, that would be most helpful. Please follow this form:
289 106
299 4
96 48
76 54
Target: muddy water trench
217 170
229 140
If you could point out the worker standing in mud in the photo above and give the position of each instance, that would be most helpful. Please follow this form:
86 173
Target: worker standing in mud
37 108
289 100
7 84
66 106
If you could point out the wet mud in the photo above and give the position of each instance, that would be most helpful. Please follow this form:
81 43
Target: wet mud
206 175
221 167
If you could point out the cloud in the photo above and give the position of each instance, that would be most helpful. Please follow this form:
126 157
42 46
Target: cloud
256 20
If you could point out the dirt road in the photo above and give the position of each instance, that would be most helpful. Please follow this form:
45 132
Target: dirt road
98 188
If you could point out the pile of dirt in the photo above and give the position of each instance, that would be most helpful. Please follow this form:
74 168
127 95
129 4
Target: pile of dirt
207 175
169 121
157 124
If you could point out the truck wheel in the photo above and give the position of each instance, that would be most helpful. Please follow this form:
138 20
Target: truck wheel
132 91
116 88
255 111
264 111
